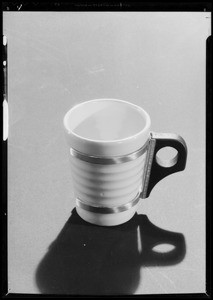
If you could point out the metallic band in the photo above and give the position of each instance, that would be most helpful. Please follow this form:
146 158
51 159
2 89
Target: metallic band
104 160
105 209
148 166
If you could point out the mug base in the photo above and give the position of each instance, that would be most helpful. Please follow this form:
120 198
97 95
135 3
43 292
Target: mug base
106 219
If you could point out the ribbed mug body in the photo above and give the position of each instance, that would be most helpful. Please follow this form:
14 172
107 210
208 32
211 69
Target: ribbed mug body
107 186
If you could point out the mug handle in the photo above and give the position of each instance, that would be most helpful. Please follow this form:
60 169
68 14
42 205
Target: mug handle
155 168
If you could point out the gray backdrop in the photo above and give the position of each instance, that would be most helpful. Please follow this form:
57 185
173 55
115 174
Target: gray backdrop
56 60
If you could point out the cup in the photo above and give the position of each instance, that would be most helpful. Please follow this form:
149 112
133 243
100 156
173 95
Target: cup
113 158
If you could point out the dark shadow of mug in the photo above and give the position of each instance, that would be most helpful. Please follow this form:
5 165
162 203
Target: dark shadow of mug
86 259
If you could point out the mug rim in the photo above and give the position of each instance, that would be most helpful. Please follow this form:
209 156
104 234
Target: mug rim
134 136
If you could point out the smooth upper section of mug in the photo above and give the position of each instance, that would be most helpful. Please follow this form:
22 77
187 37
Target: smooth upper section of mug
107 127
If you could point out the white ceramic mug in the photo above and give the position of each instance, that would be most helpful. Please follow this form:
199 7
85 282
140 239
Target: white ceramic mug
113 158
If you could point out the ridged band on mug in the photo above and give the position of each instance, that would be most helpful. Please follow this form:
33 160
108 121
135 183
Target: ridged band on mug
106 209
104 160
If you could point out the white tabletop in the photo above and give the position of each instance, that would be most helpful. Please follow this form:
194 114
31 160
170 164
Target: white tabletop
56 60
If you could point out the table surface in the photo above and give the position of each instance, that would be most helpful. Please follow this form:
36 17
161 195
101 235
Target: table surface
56 60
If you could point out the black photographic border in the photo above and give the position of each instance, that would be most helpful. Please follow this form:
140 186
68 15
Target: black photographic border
116 6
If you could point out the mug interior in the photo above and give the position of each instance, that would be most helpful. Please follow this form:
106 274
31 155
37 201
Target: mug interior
106 120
